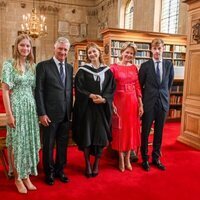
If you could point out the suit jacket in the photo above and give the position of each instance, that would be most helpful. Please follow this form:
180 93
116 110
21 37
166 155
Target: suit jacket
52 97
151 88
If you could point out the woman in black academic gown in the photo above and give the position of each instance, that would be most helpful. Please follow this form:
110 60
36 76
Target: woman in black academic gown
94 89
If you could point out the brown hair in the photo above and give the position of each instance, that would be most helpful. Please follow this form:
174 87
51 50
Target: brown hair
126 45
16 54
157 42
94 45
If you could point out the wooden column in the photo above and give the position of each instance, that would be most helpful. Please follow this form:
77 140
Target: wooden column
190 125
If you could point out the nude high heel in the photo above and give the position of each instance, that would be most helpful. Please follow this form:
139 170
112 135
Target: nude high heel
121 162
20 186
27 182
127 161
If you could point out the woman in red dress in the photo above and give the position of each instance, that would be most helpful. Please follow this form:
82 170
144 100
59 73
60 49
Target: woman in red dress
128 105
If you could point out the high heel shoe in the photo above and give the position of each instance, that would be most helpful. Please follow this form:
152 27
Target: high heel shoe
20 186
28 184
121 162
127 162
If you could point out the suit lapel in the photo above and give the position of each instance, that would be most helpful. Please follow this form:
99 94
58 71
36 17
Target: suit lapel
66 75
153 71
55 71
163 69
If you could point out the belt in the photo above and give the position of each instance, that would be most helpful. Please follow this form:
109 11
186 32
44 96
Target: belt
130 87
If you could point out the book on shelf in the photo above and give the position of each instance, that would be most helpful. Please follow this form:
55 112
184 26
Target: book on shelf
142 46
179 48
174 113
143 54
176 99
177 88
167 47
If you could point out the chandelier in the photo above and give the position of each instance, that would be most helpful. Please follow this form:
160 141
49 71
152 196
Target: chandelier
34 25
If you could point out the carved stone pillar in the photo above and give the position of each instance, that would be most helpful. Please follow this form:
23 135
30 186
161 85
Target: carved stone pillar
190 125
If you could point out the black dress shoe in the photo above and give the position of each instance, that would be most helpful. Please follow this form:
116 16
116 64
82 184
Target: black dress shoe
63 178
158 164
88 175
49 179
146 166
94 174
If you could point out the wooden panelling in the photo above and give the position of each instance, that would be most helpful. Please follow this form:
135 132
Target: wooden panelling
194 74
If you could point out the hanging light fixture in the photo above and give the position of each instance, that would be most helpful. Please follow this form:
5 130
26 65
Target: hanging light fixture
34 25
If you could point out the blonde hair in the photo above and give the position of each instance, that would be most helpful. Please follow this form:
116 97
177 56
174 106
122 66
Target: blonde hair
127 45
157 42
94 45
16 54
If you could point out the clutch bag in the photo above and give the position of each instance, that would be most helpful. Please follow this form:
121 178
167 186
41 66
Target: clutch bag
116 121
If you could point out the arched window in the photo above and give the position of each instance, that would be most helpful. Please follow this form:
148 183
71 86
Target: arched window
169 16
128 18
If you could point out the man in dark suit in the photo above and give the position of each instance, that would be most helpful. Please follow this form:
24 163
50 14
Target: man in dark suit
54 80
156 77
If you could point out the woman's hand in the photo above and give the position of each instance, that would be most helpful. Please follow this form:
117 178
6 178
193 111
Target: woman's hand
141 110
11 121
92 96
99 99
114 108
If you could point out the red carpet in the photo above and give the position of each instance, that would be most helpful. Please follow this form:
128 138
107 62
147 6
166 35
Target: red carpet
180 181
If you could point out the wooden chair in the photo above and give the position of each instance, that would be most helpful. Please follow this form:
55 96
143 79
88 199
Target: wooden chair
3 154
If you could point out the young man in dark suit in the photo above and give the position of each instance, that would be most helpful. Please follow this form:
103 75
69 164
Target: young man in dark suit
54 80
156 77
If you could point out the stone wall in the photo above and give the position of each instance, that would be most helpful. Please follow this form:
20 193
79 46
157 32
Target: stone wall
75 19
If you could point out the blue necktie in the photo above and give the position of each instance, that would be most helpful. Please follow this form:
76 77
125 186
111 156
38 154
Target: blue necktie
158 71
62 75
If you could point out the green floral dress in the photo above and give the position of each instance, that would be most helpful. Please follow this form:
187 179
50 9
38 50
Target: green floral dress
24 139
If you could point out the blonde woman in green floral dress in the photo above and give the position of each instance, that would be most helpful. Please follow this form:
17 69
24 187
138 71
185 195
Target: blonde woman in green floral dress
18 82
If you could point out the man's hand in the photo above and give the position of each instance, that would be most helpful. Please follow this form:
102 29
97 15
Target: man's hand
45 120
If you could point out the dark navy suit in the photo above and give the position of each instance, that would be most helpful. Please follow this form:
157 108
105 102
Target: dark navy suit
155 96
54 99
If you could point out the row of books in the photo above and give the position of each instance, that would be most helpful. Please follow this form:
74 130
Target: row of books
179 55
143 54
167 47
177 88
179 62
82 52
81 57
115 52
174 113
167 54
176 99
117 44
143 46
138 62
180 48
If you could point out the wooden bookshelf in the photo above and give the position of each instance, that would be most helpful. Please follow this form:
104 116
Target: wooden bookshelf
174 50
80 51
176 100
175 47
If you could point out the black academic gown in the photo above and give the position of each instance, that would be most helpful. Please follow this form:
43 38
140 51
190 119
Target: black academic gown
92 122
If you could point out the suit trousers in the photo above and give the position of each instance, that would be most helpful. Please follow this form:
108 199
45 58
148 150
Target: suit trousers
55 133
158 115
